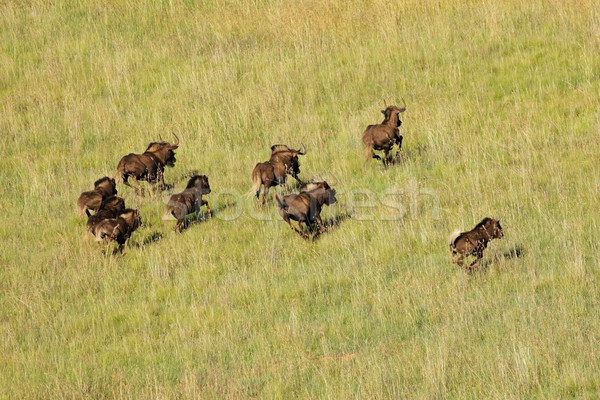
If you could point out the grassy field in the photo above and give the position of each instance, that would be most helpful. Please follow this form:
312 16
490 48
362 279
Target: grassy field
503 120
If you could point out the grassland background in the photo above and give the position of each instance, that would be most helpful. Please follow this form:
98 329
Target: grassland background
502 120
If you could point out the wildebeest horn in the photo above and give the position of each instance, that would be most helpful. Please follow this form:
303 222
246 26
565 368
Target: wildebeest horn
176 143
403 108
303 152
384 104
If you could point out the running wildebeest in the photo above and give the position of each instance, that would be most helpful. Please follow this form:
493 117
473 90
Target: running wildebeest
110 208
474 242
306 206
189 201
149 166
92 200
283 161
385 135
119 229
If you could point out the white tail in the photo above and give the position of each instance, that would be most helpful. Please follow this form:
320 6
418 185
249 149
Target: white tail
118 176
453 237
255 185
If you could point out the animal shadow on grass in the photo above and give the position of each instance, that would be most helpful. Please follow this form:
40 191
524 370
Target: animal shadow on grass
331 223
222 207
153 237
417 151
191 219
513 253
405 154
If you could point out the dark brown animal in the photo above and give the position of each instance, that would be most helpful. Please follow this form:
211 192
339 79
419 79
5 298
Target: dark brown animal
283 161
92 200
474 242
119 229
306 206
149 166
110 208
385 135
189 201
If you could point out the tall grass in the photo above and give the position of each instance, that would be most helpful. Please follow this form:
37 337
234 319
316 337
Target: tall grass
502 121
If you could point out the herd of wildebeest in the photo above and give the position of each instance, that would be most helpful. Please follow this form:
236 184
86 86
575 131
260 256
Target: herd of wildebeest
113 222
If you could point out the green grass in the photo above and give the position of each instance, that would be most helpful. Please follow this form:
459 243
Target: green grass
502 121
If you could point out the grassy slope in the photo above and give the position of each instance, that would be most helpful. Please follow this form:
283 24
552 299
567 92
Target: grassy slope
502 120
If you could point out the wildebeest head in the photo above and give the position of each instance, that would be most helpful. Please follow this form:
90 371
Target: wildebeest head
492 227
321 189
199 182
133 218
106 185
393 113
281 153
113 203
164 151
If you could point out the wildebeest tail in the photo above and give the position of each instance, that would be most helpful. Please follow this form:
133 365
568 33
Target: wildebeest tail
170 212
255 183
453 238
119 175
368 142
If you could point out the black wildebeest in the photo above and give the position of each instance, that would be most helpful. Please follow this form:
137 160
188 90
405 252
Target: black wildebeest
119 229
385 135
283 161
474 242
110 208
306 206
149 166
92 200
189 201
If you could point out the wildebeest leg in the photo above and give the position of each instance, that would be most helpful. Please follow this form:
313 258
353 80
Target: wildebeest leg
300 231
139 189
126 181
475 264
283 183
123 246
258 194
289 222
320 224
387 159
369 154
399 141
458 261
179 224
161 178
264 197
